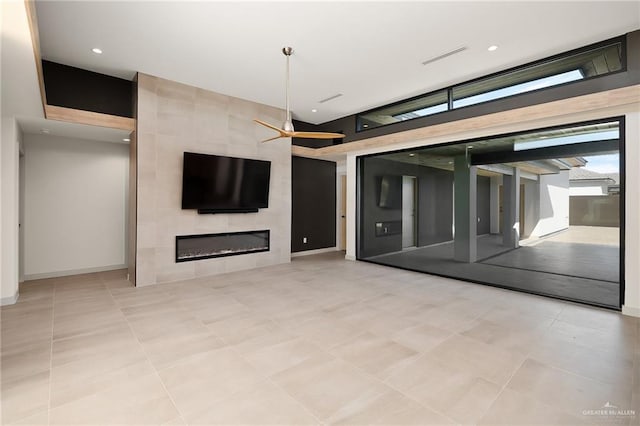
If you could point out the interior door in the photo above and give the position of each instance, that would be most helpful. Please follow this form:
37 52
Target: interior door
408 211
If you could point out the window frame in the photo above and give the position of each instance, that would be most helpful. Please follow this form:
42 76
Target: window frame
621 40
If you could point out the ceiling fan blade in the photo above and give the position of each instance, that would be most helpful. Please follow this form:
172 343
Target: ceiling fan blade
316 135
273 138
277 129
288 131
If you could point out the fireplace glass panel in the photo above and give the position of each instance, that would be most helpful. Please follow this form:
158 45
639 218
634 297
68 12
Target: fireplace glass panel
206 246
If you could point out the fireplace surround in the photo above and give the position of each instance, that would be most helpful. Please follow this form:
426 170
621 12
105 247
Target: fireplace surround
207 246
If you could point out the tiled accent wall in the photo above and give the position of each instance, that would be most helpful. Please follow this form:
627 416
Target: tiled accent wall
173 118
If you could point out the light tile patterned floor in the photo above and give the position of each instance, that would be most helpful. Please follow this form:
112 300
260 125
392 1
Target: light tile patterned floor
318 341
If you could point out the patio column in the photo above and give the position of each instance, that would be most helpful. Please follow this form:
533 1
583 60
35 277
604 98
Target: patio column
511 209
465 216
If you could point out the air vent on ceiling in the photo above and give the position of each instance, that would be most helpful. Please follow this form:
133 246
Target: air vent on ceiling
445 55
330 98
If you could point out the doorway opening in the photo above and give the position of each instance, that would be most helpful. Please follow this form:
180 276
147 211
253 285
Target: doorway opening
538 211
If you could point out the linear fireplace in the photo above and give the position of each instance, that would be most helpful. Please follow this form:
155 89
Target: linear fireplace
206 246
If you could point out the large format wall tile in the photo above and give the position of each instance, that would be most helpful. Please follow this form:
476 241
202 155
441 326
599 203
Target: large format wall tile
174 118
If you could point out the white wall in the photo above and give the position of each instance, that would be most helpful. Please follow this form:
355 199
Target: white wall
9 189
20 97
75 205
554 204
531 205
21 211
582 188
632 213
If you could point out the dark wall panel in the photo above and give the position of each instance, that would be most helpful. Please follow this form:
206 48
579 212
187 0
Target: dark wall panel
372 171
483 205
434 206
76 88
313 204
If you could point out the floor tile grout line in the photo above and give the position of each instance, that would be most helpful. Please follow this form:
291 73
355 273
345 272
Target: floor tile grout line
392 387
426 353
304 407
572 373
543 403
53 320
164 387
557 317
503 387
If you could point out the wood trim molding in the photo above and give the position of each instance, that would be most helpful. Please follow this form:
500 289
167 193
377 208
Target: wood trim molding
607 100
32 17
87 117
303 151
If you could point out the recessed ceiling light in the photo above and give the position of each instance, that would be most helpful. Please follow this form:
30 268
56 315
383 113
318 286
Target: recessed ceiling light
411 155
126 140
365 125
97 51
470 147
45 131
314 110
492 48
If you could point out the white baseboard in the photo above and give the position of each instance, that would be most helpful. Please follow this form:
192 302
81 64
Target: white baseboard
56 274
310 252
9 300
632 312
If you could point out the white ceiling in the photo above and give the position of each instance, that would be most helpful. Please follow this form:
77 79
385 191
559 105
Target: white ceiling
19 87
371 52
73 130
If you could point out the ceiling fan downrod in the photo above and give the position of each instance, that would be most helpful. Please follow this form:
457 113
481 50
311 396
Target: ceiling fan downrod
288 124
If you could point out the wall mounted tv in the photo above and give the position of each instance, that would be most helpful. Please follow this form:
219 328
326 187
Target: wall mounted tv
390 194
219 184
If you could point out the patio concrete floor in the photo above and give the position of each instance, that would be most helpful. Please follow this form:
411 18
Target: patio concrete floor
562 266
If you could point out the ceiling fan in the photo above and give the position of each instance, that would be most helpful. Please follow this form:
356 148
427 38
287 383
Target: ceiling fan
287 130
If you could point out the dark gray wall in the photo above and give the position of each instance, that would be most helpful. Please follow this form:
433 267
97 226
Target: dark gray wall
347 125
372 169
435 205
484 205
313 204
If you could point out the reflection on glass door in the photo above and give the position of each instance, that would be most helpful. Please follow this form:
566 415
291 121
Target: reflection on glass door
408 211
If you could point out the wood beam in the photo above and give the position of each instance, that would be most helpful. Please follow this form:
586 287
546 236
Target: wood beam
531 115
90 118
303 151
32 17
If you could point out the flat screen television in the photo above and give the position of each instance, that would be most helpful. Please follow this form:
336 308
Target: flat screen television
219 184
390 194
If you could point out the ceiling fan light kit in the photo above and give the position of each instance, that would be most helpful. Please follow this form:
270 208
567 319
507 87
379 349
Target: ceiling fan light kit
287 130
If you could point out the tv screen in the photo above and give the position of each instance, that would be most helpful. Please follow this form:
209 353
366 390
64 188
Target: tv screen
390 195
214 183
